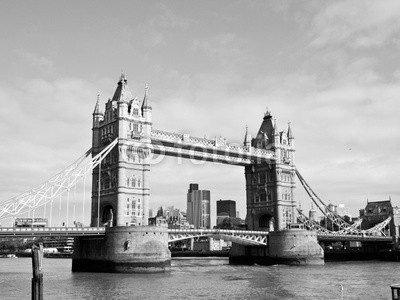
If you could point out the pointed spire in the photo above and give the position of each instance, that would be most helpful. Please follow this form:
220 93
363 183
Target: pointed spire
97 106
247 138
123 81
146 102
289 132
267 114
122 93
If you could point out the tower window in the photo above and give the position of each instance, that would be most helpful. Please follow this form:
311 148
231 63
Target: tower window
135 111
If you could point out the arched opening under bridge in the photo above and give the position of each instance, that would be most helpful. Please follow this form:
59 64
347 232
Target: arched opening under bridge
266 222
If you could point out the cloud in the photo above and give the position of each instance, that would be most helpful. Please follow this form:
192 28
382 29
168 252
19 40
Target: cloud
164 22
39 62
357 24
46 126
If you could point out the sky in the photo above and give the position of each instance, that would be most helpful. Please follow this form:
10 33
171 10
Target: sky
331 68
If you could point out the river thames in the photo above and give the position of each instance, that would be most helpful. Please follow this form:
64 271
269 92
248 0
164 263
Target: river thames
205 278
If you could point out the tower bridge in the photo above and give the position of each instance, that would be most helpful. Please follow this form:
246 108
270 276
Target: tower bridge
124 144
124 178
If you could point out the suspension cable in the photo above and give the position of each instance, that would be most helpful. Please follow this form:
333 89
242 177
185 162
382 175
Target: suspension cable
343 226
53 187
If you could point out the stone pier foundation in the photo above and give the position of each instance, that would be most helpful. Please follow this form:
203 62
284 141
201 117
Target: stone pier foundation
289 247
123 249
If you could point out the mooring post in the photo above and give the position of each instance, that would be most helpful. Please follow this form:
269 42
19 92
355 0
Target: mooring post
37 279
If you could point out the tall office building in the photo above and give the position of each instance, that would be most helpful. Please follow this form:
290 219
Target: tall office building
198 207
225 209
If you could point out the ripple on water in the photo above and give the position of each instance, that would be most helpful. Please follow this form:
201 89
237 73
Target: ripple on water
206 279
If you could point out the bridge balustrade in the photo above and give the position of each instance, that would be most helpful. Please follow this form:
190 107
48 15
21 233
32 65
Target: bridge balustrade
209 149
47 231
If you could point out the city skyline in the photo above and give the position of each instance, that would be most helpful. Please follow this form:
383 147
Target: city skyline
330 68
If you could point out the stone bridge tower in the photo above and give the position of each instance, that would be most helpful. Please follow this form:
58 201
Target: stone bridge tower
124 177
270 185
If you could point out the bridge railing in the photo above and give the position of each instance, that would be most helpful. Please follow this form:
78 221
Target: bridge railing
353 237
216 146
21 231
217 231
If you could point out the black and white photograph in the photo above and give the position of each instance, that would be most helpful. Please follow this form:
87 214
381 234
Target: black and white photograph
198 149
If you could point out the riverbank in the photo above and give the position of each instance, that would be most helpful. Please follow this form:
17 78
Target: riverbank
330 255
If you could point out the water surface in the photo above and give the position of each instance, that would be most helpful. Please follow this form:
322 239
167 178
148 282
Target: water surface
205 279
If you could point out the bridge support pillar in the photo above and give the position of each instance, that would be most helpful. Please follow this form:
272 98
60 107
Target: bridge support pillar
142 249
289 247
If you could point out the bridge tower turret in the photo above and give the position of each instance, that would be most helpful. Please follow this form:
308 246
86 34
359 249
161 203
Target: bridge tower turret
247 139
270 184
124 183
146 128
97 118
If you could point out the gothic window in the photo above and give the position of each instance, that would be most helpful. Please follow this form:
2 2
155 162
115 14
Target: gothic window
127 181
263 197
135 127
135 111
271 177
262 178
138 182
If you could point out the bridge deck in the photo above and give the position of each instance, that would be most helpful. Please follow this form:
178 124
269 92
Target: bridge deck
50 231
322 237
212 150
176 234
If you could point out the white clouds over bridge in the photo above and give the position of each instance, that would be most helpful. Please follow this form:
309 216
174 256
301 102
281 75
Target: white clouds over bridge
329 67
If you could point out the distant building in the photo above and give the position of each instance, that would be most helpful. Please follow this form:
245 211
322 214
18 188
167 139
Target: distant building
198 207
174 217
226 206
332 208
30 222
61 243
378 211
178 222
341 210
312 214
225 209
158 221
